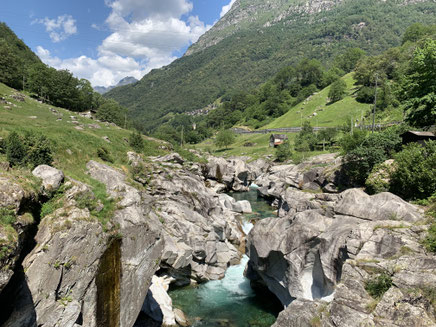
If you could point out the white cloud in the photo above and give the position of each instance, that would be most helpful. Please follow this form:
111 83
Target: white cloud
59 28
145 34
104 71
227 8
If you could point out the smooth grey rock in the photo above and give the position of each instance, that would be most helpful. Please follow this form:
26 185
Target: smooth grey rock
52 178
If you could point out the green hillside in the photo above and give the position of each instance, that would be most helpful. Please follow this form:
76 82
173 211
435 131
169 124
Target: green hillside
75 140
247 57
327 115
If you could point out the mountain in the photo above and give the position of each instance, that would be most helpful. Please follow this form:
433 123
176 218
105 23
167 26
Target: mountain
125 81
255 39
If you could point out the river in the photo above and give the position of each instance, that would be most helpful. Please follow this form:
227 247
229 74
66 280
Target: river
230 301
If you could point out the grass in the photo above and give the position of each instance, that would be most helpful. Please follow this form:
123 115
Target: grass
73 148
259 147
328 115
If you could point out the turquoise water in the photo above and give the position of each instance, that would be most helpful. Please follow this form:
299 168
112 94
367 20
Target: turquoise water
230 301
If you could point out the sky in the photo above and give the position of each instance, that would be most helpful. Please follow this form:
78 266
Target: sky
107 40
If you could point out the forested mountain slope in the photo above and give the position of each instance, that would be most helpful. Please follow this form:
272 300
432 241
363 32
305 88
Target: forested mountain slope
256 39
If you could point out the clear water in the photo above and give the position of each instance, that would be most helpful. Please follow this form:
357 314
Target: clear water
230 301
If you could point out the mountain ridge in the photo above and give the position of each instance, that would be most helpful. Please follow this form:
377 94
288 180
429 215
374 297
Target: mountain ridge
125 81
249 56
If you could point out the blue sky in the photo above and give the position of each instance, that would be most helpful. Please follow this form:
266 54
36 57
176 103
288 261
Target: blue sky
107 40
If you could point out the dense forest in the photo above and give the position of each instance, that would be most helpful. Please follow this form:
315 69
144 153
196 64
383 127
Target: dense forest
405 78
249 57
21 69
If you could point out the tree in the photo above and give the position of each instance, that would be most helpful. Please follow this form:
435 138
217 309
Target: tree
283 151
15 149
306 138
112 112
337 90
10 64
419 90
224 138
348 60
136 142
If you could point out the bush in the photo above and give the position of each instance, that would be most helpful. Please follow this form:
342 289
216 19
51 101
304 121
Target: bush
136 142
283 152
306 139
379 179
415 171
104 154
15 149
363 154
378 286
32 149
39 150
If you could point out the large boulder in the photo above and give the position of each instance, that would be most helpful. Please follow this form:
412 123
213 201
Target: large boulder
52 178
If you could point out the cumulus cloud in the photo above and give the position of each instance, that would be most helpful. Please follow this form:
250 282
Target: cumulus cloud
60 28
145 34
105 70
227 8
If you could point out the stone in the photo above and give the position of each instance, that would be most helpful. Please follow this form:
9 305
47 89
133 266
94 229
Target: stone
242 206
52 178
181 318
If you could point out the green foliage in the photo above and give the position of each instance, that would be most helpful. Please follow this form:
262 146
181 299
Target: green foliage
104 154
420 87
136 142
379 179
414 176
7 217
416 32
349 59
379 285
15 149
430 240
283 152
249 56
363 153
224 138
33 149
112 112
306 138
337 90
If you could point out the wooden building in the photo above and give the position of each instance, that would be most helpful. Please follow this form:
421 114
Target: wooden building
417 137
277 139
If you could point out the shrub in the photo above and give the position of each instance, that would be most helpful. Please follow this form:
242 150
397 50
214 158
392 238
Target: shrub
378 286
2 146
136 142
283 152
104 154
415 171
7 217
379 179
39 150
337 90
32 149
363 154
306 138
15 149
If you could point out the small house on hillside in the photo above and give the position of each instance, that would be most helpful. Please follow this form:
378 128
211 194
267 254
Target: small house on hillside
277 139
417 137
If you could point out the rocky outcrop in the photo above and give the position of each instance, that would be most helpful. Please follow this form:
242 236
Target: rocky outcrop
235 173
89 267
14 208
201 234
324 250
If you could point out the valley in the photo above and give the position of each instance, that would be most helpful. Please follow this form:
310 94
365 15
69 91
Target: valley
281 172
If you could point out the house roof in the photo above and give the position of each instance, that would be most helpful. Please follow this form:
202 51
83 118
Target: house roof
280 136
418 133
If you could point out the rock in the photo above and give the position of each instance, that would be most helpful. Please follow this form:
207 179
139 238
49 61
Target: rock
172 157
382 206
158 289
52 178
181 318
242 206
106 139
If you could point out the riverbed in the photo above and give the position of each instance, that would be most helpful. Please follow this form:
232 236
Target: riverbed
230 301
